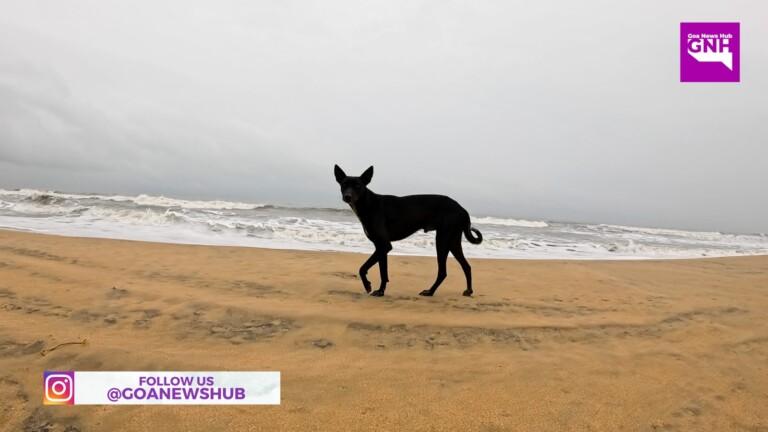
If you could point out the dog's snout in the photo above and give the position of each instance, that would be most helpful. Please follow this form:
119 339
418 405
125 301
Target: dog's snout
347 198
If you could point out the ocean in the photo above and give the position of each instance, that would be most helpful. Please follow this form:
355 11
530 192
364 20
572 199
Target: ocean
170 220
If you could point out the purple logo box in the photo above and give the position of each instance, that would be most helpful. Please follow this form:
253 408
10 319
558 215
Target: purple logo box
709 52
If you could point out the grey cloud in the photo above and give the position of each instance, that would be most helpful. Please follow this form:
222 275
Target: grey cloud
545 110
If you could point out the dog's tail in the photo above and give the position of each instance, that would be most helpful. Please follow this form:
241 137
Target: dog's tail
468 231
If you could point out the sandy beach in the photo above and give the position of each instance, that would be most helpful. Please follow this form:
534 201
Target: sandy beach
544 345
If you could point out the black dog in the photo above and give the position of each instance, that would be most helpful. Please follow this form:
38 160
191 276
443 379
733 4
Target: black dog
388 218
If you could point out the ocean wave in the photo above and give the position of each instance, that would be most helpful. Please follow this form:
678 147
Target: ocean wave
44 199
136 216
158 218
488 220
660 231
52 197
161 201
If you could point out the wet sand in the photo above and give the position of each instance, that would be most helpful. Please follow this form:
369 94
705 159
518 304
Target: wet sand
543 345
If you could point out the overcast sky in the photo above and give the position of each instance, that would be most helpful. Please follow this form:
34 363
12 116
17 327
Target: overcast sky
543 110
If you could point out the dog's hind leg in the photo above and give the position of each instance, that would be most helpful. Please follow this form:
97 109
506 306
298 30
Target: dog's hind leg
442 243
381 251
458 253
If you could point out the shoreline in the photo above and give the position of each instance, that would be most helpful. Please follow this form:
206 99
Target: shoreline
392 253
543 345
223 223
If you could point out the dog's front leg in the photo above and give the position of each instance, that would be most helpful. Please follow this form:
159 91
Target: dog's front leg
364 271
381 251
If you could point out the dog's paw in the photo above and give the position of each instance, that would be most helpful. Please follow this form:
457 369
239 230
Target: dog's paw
426 293
367 286
467 293
377 293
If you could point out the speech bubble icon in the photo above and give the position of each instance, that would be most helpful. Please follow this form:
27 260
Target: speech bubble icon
726 58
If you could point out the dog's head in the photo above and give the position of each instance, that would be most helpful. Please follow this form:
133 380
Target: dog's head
352 188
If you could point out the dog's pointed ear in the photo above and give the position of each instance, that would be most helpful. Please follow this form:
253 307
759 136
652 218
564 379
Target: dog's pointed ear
367 175
339 173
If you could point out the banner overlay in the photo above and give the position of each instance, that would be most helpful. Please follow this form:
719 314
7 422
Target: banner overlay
161 388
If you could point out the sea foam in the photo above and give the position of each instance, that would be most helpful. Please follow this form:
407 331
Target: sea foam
173 220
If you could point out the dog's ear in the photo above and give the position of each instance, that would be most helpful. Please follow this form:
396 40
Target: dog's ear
339 173
367 175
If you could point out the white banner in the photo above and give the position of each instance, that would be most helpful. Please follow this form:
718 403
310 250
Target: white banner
161 388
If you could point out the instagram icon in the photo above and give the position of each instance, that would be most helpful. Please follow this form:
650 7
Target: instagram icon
59 388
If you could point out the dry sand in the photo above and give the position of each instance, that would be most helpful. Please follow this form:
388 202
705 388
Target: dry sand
543 345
